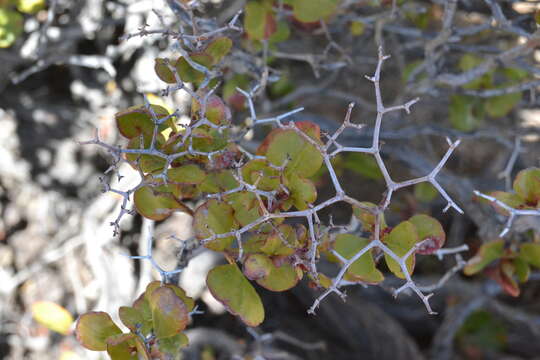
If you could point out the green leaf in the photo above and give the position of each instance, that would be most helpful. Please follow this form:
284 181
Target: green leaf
148 164
466 112
137 120
186 174
30 6
499 106
142 306
169 313
363 269
425 192
259 19
487 253
357 28
281 34
482 331
218 181
246 207
52 316
157 205
131 317
281 241
122 347
189 74
527 185
216 110
400 240
366 218
431 234
231 95
510 199
522 268
93 330
257 171
304 158
257 266
468 62
229 286
530 252
364 165
163 71
302 192
506 278
218 48
11 26
170 347
314 10
282 277
214 217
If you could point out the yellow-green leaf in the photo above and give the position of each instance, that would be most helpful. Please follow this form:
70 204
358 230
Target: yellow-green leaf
52 316
156 205
487 253
314 10
401 239
431 234
527 185
169 313
228 285
214 217
122 347
218 48
93 330
259 19
363 269
530 252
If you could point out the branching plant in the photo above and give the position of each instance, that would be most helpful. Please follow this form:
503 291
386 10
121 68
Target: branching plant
243 202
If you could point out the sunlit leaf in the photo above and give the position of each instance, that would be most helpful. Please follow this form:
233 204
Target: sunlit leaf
186 174
283 276
170 347
156 205
214 217
52 316
169 313
228 285
137 120
11 26
401 239
257 171
30 6
303 158
93 330
190 74
431 234
216 110
363 269
257 266
122 347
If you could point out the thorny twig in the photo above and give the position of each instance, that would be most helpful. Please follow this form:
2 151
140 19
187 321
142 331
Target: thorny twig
512 213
